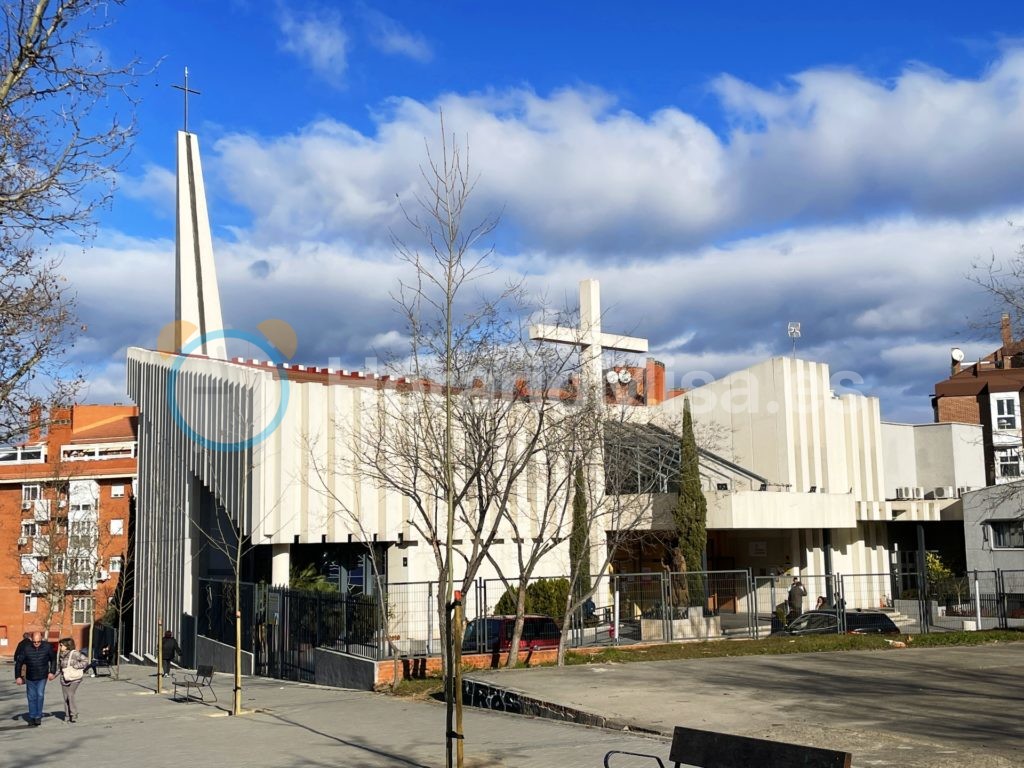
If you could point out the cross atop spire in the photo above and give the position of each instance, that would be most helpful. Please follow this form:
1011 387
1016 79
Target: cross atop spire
588 337
186 90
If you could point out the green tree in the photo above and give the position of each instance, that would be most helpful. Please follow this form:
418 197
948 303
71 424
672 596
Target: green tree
579 538
547 597
309 579
691 512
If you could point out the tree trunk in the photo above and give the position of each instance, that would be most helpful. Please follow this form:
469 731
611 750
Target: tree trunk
517 631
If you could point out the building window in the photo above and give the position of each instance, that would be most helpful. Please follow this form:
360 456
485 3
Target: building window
1007 534
30 493
81 535
28 529
1006 413
31 604
82 610
116 491
1008 463
117 527
115 564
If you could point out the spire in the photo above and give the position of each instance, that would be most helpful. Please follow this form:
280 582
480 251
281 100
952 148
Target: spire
197 298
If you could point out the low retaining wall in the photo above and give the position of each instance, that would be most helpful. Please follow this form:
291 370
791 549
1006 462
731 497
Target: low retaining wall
487 695
220 655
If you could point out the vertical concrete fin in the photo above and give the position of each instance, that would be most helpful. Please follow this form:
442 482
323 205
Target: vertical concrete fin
196 294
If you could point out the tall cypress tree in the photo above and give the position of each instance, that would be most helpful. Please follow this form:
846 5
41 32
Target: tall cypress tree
691 512
579 538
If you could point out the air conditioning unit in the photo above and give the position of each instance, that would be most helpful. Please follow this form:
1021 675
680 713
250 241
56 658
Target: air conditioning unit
918 492
22 541
102 576
904 492
62 503
26 505
944 492
964 489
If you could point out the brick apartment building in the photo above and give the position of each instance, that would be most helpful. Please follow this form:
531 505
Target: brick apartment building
66 499
988 392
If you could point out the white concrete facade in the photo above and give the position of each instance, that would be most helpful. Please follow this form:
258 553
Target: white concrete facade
269 488
831 468
198 325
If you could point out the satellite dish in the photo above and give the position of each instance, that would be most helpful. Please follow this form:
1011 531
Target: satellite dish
612 377
625 376
957 354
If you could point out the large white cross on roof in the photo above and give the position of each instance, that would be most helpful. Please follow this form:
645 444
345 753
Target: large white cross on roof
588 337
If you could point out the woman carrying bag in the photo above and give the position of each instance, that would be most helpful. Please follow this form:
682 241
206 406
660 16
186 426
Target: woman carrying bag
72 665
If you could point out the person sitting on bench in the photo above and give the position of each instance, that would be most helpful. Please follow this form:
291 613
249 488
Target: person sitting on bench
104 658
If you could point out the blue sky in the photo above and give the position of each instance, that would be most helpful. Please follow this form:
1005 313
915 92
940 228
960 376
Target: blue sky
723 169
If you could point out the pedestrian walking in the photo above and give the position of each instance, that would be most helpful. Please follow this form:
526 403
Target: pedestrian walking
169 648
72 665
40 665
25 642
796 598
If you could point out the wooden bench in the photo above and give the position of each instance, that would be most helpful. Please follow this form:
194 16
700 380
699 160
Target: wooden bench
707 749
194 685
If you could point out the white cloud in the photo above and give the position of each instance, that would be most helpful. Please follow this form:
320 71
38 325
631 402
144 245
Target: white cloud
867 202
388 36
576 174
156 185
319 39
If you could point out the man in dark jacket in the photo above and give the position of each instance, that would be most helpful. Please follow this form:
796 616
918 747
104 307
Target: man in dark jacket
796 598
40 662
169 648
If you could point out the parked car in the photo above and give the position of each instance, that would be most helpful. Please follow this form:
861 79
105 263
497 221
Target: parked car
494 633
827 623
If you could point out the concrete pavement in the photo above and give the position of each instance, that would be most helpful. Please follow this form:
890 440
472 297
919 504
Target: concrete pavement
944 707
123 724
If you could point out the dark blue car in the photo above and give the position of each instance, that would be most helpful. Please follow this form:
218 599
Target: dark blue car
827 623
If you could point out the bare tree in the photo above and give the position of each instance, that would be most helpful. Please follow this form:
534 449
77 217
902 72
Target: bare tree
63 139
456 429
67 544
390 618
226 538
62 142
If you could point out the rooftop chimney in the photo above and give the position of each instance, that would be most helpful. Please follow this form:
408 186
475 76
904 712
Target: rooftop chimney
1006 329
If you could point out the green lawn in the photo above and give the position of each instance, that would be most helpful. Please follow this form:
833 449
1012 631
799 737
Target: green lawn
432 686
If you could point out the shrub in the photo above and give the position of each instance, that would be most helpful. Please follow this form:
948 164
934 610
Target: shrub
546 597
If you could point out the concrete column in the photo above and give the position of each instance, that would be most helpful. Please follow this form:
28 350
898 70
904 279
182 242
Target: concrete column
280 564
797 551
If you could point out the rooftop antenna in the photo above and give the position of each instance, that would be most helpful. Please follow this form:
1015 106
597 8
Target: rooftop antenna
793 330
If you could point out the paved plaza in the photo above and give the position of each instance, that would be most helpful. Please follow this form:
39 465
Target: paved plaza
909 708
125 725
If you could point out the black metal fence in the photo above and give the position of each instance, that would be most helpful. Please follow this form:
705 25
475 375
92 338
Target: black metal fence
283 627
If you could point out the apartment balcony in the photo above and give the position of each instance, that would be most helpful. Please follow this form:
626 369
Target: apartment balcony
39 509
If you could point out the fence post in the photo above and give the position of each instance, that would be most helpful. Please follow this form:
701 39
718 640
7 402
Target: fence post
977 601
752 622
1001 599
430 618
666 622
615 609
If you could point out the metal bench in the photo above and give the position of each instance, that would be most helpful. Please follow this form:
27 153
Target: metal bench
194 686
707 749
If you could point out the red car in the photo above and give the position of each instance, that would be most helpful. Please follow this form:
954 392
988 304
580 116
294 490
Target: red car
494 633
